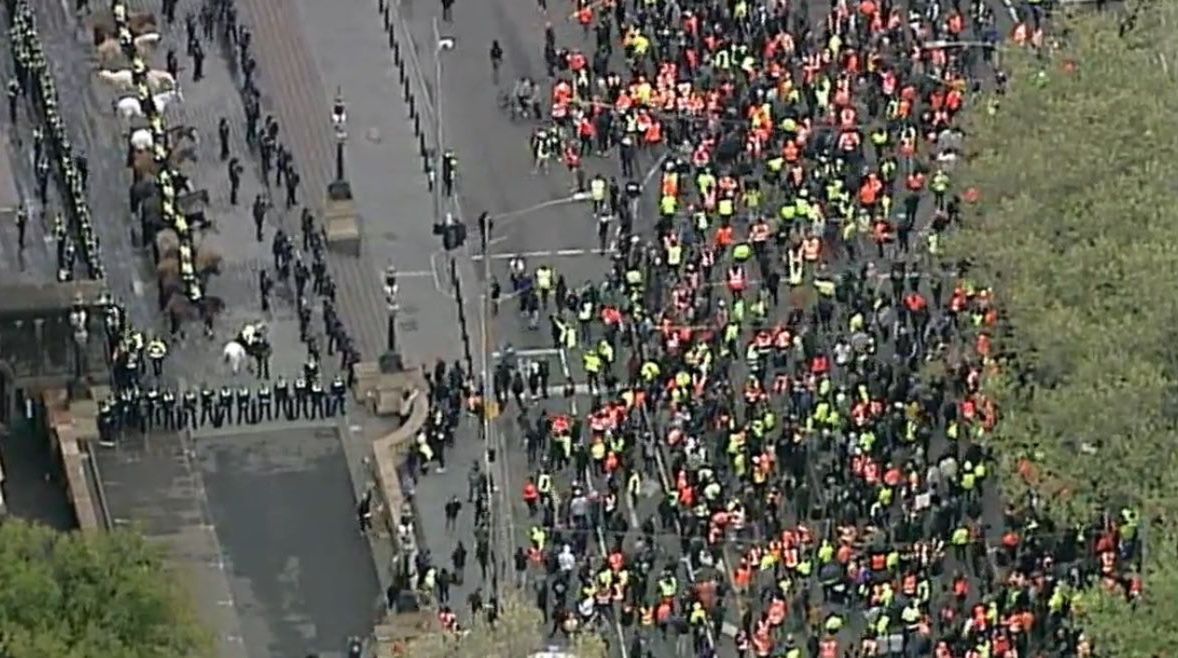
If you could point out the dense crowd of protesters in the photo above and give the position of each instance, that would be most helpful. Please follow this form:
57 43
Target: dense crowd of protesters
788 356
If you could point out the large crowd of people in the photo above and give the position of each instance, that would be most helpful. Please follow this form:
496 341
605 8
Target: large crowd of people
787 354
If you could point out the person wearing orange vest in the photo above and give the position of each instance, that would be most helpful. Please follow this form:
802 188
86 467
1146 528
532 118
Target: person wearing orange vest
531 496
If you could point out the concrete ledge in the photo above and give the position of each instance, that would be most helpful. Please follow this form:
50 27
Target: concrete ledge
388 450
71 426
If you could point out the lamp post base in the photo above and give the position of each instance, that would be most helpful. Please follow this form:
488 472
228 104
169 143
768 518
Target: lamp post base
391 362
343 231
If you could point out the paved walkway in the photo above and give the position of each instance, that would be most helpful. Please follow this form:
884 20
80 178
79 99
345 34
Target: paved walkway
305 51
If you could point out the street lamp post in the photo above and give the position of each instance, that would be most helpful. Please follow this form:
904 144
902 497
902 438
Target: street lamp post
390 297
339 120
441 44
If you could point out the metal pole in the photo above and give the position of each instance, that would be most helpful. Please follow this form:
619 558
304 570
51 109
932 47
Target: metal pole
438 140
339 159
392 338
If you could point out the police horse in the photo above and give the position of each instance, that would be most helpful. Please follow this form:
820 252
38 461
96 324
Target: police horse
251 342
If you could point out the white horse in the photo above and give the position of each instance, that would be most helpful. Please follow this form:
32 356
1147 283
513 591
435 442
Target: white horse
129 107
235 355
142 139
165 98
157 80
122 79
146 41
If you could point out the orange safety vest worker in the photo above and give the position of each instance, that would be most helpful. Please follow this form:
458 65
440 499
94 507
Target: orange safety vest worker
811 249
736 281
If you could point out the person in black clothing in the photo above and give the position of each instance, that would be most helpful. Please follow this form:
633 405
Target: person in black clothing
245 403
224 407
282 399
187 416
198 62
482 553
265 284
259 213
292 186
318 396
337 403
207 406
364 512
235 170
265 406
299 408
458 561
223 136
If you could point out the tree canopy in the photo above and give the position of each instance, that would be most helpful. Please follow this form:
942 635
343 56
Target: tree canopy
518 632
1076 230
88 596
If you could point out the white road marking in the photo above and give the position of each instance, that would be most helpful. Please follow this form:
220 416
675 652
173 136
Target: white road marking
550 253
534 351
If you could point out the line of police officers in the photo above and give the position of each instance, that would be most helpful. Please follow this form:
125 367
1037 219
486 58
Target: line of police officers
155 408
52 149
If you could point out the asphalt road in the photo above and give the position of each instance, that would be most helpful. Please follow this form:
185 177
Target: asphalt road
296 562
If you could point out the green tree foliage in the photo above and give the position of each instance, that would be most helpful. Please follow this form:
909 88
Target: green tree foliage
1076 230
517 633
90 596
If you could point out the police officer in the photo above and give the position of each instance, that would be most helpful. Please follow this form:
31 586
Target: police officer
317 400
339 397
106 421
224 407
282 399
299 408
265 406
168 409
187 415
135 408
208 406
157 349
245 403
151 407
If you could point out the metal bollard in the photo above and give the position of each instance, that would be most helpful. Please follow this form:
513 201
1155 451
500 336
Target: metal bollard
424 151
416 123
396 50
413 110
392 37
408 93
400 73
385 13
